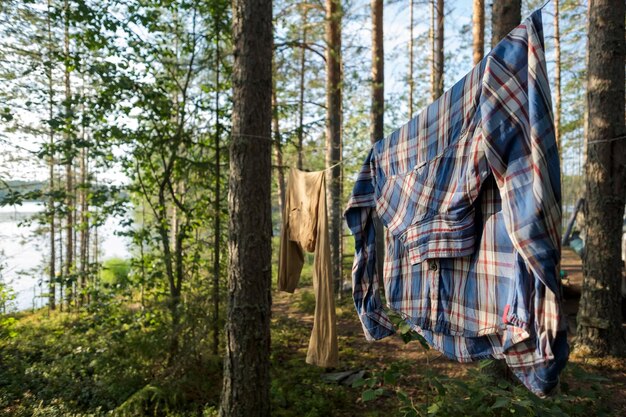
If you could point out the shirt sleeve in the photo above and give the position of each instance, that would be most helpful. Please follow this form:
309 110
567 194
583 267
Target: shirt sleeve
365 290
520 149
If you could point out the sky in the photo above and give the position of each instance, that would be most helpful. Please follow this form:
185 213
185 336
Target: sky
19 164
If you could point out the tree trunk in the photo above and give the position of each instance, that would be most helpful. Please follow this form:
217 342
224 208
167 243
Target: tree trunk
61 264
433 47
478 30
84 227
179 238
69 171
301 98
245 389
557 90
377 110
378 102
169 232
557 76
505 16
84 210
438 79
278 152
599 329
333 131
51 208
217 204
377 25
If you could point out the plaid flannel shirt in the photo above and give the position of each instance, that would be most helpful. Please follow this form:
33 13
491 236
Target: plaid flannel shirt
469 192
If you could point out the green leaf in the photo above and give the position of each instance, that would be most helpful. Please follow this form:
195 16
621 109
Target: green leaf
358 383
390 377
422 341
404 327
439 386
368 395
501 402
402 396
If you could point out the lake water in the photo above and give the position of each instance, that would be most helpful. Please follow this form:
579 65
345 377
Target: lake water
23 253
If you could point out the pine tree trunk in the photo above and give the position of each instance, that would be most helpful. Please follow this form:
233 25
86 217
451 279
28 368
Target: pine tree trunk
278 152
599 330
301 98
376 15
84 227
84 210
333 131
51 205
61 264
378 102
433 48
69 171
557 90
217 203
245 390
478 30
438 80
505 16
377 110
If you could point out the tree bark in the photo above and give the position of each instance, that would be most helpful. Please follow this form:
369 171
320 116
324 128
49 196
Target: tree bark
599 330
505 16
433 47
333 131
69 171
301 98
168 241
84 209
374 28
84 226
438 62
245 389
61 264
377 110
51 207
278 152
557 76
217 226
478 30
557 89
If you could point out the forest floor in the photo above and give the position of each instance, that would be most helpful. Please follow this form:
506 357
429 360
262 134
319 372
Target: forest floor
111 360
419 372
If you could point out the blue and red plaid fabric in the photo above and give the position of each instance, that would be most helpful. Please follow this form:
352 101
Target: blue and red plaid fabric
469 192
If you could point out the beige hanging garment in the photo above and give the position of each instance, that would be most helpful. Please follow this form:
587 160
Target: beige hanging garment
305 228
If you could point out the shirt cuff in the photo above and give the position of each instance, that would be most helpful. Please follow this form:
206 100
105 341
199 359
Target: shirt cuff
376 325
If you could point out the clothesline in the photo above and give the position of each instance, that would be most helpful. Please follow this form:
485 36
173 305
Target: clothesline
343 160
607 140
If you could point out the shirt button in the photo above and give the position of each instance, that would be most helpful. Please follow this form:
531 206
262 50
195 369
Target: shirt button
432 265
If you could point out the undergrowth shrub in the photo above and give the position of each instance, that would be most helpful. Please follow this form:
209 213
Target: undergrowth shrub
482 393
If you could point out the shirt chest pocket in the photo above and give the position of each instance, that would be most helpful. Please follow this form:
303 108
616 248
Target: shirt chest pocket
404 199
416 209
